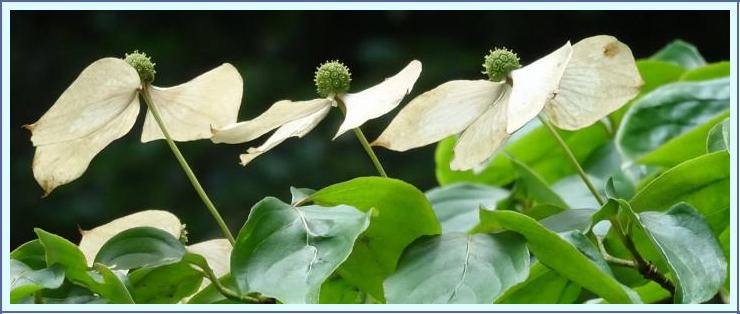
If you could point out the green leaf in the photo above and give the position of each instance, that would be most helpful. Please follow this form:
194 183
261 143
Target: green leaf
287 252
562 256
30 253
458 268
670 111
656 73
724 242
689 249
703 182
111 286
298 195
718 138
60 251
707 72
25 281
66 254
682 53
685 146
141 247
575 193
165 284
620 187
532 187
457 205
569 219
652 292
336 290
543 286
401 214
536 149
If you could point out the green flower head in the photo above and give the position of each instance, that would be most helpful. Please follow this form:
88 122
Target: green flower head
499 63
332 78
143 65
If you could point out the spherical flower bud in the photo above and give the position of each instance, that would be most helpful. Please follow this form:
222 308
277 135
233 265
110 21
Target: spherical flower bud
143 65
499 63
332 78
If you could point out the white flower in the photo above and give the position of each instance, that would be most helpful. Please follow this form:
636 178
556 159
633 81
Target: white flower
576 86
102 105
297 118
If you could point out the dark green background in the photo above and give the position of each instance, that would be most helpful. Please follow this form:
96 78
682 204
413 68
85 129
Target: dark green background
276 53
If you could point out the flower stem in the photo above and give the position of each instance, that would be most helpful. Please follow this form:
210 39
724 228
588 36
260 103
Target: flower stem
573 160
186 168
363 141
645 268
225 291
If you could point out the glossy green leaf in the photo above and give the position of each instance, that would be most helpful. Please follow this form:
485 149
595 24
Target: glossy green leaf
718 138
541 211
689 249
166 284
70 293
569 219
703 182
457 205
336 290
560 255
30 253
298 195
60 251
101 281
670 111
287 252
685 146
652 292
619 186
681 53
533 187
575 193
536 149
401 214
543 286
111 286
140 247
656 73
724 242
25 281
707 72
458 268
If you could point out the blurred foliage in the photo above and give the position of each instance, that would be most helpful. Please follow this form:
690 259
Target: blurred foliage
276 53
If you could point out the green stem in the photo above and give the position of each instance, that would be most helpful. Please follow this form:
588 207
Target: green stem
573 160
363 141
228 293
612 259
645 268
185 167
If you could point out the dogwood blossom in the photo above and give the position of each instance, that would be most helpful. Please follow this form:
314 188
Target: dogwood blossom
297 118
575 86
102 105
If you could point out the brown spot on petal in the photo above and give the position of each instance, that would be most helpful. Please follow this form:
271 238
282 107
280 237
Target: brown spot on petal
611 49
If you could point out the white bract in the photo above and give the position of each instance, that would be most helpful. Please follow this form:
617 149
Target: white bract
102 105
575 86
297 118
